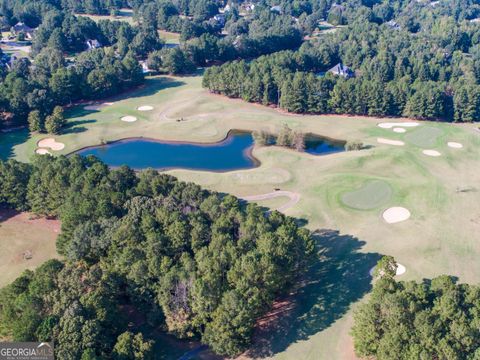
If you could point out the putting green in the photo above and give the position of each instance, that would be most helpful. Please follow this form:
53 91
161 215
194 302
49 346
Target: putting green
371 195
424 137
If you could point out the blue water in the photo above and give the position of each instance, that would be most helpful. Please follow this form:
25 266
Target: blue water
234 153
319 146
230 154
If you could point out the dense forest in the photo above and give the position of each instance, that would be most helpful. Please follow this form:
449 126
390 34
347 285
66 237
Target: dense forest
408 59
434 319
192 262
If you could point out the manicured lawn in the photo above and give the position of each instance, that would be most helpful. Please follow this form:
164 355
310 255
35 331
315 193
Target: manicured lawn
440 237
169 37
123 15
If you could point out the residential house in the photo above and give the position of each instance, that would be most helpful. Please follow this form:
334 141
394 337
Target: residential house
342 70
92 44
22 28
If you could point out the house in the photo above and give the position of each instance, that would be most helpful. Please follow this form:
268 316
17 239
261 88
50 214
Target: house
22 28
338 7
92 44
276 8
219 19
249 7
145 68
342 70
393 25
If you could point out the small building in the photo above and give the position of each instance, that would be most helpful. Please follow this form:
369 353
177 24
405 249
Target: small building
145 68
22 28
342 70
219 19
393 25
276 8
92 44
338 7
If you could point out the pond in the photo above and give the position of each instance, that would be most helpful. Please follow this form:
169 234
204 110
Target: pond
233 153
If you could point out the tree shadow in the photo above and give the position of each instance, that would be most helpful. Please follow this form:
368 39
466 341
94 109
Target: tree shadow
73 127
6 213
8 140
338 277
150 87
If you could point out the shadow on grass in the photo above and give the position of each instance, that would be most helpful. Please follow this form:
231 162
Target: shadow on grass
338 277
74 127
8 140
150 87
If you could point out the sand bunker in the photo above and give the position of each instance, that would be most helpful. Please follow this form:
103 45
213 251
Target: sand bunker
400 270
396 214
390 142
145 108
434 153
51 144
399 130
389 125
129 118
454 145
43 152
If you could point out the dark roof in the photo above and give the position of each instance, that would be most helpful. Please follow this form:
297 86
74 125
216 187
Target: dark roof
341 70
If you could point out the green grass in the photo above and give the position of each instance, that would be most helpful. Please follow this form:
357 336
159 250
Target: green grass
123 15
169 37
371 195
439 238
424 137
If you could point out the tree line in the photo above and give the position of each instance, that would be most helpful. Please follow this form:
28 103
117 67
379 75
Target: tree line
191 262
433 319
427 72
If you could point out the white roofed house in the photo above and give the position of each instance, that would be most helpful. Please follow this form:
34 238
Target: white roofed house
93 44
342 70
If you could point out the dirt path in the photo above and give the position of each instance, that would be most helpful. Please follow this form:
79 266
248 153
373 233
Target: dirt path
293 196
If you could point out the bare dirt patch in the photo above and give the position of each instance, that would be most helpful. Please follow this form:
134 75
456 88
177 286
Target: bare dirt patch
26 242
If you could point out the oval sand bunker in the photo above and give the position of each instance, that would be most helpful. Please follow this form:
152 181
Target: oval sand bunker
145 108
433 153
129 118
400 270
51 144
399 130
389 125
396 214
454 145
390 142
42 152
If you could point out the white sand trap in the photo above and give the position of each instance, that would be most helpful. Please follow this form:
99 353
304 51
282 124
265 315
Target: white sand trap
454 145
51 144
43 152
129 118
434 153
145 108
390 142
400 270
396 214
399 130
389 125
